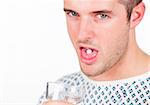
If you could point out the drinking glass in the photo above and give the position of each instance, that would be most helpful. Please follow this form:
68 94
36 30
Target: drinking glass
64 92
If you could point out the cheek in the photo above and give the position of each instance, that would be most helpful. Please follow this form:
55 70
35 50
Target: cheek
72 31
118 46
113 39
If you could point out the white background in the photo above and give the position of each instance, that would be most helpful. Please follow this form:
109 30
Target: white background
35 48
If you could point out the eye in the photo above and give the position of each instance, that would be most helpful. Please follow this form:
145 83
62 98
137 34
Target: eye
71 13
102 16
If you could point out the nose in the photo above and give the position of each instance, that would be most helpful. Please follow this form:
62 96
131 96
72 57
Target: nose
85 30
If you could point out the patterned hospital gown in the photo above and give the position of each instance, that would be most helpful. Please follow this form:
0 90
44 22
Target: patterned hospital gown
131 91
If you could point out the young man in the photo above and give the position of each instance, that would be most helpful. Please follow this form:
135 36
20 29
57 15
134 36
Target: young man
115 71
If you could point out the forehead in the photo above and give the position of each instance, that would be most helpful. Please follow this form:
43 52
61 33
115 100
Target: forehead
91 5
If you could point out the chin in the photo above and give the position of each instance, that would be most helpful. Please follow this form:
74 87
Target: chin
91 70
95 68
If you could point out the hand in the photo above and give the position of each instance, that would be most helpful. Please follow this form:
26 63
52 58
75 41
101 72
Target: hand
50 102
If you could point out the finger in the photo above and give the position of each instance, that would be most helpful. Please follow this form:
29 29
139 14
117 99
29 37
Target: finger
50 102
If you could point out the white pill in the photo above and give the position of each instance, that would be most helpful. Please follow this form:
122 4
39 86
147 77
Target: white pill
88 51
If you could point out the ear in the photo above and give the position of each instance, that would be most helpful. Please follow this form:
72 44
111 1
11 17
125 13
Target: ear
137 15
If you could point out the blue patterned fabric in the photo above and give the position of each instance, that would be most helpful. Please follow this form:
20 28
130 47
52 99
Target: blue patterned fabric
131 91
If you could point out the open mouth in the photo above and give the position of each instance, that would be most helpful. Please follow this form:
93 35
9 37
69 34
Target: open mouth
88 55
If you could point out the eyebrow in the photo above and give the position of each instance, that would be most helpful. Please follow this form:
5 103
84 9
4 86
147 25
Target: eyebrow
65 9
93 12
102 11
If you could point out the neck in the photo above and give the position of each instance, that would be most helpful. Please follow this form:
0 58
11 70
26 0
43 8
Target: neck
133 63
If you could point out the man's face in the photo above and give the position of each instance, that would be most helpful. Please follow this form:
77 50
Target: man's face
99 32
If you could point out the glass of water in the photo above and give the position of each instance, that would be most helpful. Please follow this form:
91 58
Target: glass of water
62 92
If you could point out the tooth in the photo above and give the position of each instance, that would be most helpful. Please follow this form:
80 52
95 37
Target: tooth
88 51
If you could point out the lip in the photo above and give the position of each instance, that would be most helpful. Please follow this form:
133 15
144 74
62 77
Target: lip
88 58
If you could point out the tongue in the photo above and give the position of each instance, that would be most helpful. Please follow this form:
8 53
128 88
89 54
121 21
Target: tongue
88 56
